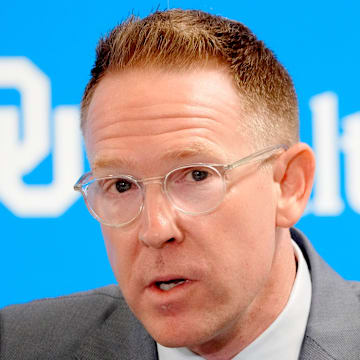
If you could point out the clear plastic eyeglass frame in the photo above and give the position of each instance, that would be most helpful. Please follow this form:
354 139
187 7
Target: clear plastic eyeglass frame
219 169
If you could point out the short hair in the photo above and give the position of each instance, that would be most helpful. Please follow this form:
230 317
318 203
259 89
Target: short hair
181 39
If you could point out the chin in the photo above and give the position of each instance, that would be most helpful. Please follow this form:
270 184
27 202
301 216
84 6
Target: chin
187 340
177 333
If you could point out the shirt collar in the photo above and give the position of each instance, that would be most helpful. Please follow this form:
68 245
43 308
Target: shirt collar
281 340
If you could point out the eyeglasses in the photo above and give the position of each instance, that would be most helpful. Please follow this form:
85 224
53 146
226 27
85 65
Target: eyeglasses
117 200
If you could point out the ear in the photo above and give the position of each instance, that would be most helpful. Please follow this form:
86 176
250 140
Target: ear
294 172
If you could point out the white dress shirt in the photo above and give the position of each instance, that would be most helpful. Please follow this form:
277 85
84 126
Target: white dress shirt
283 338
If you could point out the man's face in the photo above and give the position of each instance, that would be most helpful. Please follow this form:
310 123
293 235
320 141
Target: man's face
145 123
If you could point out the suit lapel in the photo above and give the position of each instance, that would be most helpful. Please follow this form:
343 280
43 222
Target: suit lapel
121 336
333 327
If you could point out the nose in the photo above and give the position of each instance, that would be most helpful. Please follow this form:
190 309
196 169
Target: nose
158 220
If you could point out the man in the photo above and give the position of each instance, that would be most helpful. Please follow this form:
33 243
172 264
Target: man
191 129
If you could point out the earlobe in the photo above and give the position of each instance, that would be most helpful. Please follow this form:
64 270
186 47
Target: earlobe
294 172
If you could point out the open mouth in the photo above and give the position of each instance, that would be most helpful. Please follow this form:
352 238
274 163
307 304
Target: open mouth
168 285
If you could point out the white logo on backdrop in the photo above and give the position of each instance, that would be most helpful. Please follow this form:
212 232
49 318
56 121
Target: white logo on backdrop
19 157
329 145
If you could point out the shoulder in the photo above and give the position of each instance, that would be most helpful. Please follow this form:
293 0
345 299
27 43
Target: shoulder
333 326
90 304
57 324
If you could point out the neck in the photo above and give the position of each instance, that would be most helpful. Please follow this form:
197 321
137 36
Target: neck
265 308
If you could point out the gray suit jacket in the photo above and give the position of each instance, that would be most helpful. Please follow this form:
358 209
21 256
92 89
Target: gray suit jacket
99 325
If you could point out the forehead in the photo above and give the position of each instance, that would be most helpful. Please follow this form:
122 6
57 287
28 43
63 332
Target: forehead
148 114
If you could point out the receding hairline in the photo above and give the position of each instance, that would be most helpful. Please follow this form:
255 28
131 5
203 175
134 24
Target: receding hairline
246 113
248 110
209 63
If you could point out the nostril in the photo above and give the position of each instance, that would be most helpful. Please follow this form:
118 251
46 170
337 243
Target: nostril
171 240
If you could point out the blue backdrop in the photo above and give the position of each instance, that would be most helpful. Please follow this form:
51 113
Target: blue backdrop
50 245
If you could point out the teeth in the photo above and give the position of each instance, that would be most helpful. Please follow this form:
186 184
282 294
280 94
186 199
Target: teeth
168 286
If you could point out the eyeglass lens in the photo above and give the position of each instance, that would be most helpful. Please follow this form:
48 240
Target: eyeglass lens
194 190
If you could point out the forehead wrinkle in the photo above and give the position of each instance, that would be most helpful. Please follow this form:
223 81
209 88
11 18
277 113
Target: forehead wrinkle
154 127
123 113
157 136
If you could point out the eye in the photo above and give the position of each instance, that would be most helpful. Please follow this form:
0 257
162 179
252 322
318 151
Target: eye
123 185
193 175
199 175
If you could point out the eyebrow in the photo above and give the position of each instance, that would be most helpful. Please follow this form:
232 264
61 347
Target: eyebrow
188 152
112 163
192 150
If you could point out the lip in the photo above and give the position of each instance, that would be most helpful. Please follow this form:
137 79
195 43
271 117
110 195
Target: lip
166 278
191 274
168 300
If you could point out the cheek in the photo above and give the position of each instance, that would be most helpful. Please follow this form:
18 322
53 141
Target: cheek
242 236
251 207
120 253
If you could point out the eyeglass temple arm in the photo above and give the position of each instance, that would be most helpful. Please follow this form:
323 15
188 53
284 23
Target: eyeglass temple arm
258 156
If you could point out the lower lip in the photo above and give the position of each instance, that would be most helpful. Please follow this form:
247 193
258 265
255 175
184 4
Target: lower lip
171 302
